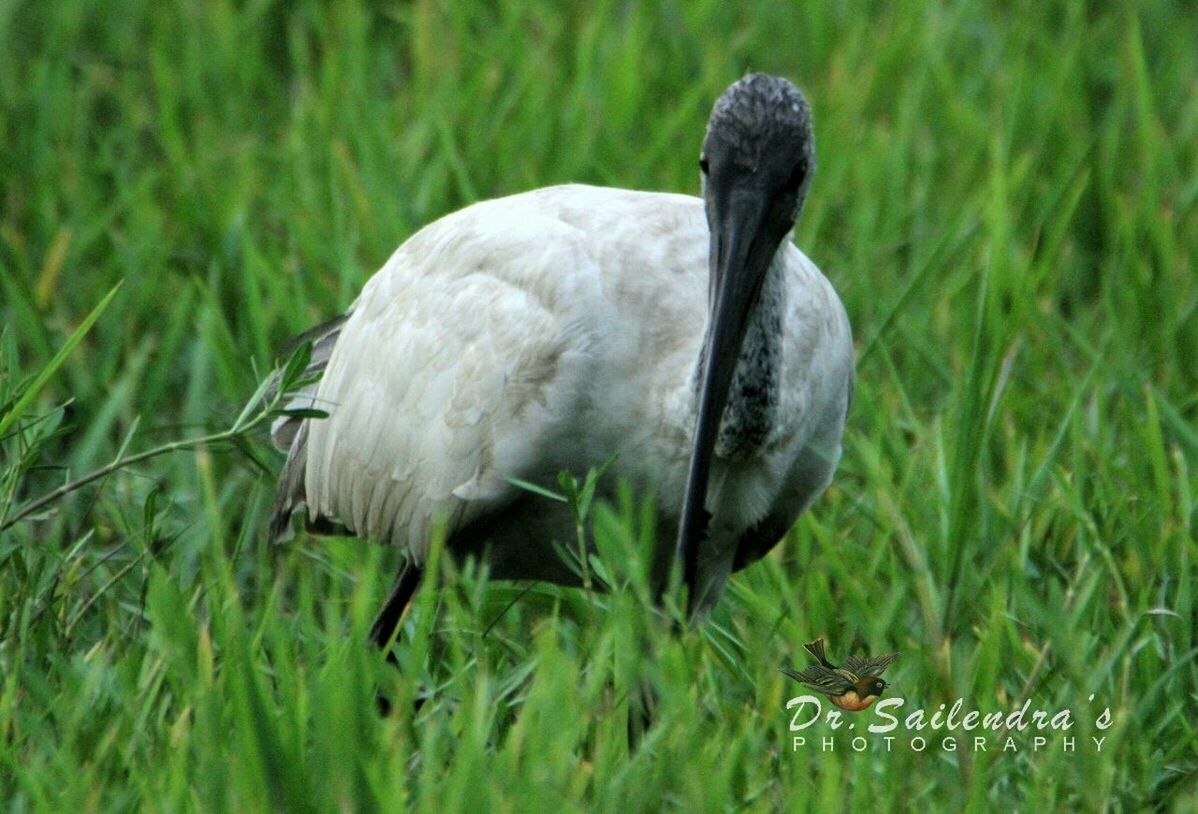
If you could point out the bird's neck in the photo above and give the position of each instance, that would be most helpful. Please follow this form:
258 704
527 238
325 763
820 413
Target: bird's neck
750 415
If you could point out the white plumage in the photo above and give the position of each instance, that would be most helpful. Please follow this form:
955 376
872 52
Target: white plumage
549 331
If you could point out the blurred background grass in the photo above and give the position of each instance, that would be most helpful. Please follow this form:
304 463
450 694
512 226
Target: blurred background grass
1006 200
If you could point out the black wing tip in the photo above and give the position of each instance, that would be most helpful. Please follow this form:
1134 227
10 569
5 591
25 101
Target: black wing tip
873 666
289 494
279 525
313 335
882 662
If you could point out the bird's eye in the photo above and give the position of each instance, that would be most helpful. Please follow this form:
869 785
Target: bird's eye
796 177
703 165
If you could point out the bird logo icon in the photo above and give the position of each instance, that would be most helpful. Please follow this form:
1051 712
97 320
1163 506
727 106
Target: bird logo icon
853 686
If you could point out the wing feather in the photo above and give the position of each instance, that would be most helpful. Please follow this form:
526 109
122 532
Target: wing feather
873 666
821 679
447 377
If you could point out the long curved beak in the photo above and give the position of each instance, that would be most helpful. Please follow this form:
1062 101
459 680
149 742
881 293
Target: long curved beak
740 259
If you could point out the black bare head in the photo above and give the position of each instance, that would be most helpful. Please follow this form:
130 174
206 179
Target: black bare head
757 161
759 144
874 685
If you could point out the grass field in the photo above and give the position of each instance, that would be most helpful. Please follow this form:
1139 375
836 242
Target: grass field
1007 200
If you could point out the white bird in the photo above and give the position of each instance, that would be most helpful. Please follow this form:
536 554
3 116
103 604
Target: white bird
554 329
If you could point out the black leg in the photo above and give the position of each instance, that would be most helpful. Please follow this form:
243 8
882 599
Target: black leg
642 708
386 623
693 529
397 602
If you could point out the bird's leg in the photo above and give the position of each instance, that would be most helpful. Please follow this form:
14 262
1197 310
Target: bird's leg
386 624
397 602
642 709
686 555
691 537
690 567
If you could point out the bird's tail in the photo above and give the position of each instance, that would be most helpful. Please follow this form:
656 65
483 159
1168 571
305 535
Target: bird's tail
285 430
816 648
289 495
290 432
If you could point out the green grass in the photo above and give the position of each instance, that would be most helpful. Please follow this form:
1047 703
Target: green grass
1007 200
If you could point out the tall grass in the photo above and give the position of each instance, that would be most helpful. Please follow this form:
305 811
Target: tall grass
1006 200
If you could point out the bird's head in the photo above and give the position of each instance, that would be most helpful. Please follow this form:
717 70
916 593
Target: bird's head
757 160
756 165
870 685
